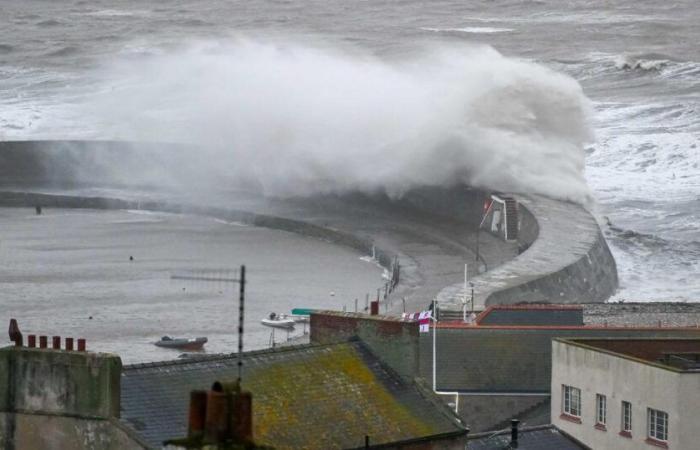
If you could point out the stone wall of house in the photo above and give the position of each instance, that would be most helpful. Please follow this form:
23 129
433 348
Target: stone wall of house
59 382
394 341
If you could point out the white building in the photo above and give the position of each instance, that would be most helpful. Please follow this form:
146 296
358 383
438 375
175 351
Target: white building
627 393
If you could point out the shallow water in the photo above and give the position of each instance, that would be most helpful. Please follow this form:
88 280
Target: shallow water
69 273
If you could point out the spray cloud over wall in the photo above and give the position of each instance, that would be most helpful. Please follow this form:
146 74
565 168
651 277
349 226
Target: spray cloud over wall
301 120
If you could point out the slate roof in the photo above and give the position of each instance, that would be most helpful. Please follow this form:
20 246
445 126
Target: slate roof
536 315
546 437
311 396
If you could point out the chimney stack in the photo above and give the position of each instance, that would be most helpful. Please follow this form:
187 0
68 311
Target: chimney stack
224 414
514 433
374 308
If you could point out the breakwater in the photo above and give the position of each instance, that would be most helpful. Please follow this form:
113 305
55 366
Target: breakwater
560 255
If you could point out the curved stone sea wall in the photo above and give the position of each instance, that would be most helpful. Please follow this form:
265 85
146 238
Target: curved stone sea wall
432 230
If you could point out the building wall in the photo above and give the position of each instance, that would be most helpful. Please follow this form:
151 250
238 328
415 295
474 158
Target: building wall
59 382
643 385
493 412
392 340
509 359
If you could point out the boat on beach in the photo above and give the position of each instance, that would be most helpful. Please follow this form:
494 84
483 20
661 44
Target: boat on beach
182 343
275 320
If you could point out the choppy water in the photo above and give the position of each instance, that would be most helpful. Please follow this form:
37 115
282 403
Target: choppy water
638 61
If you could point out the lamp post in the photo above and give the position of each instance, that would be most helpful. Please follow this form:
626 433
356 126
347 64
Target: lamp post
434 320
472 286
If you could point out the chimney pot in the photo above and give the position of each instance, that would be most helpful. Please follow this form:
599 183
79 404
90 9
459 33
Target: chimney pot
69 344
31 340
43 341
81 345
198 412
56 342
514 433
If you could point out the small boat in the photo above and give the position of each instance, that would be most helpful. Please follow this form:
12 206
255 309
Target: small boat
182 343
278 321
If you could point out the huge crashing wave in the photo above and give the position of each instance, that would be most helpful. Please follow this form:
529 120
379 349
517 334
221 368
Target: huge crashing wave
303 119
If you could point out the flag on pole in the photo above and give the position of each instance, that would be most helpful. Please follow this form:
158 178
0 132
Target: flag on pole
422 317
424 321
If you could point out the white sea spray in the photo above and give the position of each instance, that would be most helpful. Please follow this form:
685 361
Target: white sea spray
302 119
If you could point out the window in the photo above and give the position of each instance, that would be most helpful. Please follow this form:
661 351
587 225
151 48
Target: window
600 409
658 424
572 400
626 422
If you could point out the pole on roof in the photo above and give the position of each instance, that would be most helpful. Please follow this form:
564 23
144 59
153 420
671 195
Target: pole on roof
241 303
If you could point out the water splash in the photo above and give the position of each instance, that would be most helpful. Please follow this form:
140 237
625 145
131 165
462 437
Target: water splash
299 119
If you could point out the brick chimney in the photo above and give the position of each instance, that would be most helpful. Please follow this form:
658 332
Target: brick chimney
218 418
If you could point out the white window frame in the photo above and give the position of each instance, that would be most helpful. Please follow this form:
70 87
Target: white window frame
601 406
626 419
657 424
571 400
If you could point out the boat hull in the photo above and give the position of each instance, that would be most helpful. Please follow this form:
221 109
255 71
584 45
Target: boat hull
284 324
183 344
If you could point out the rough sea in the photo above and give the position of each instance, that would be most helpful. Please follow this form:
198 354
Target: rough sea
637 60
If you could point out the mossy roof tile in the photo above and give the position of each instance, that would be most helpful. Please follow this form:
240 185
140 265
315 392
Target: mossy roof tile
313 396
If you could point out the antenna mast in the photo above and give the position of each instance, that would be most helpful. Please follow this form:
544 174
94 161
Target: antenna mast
241 303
